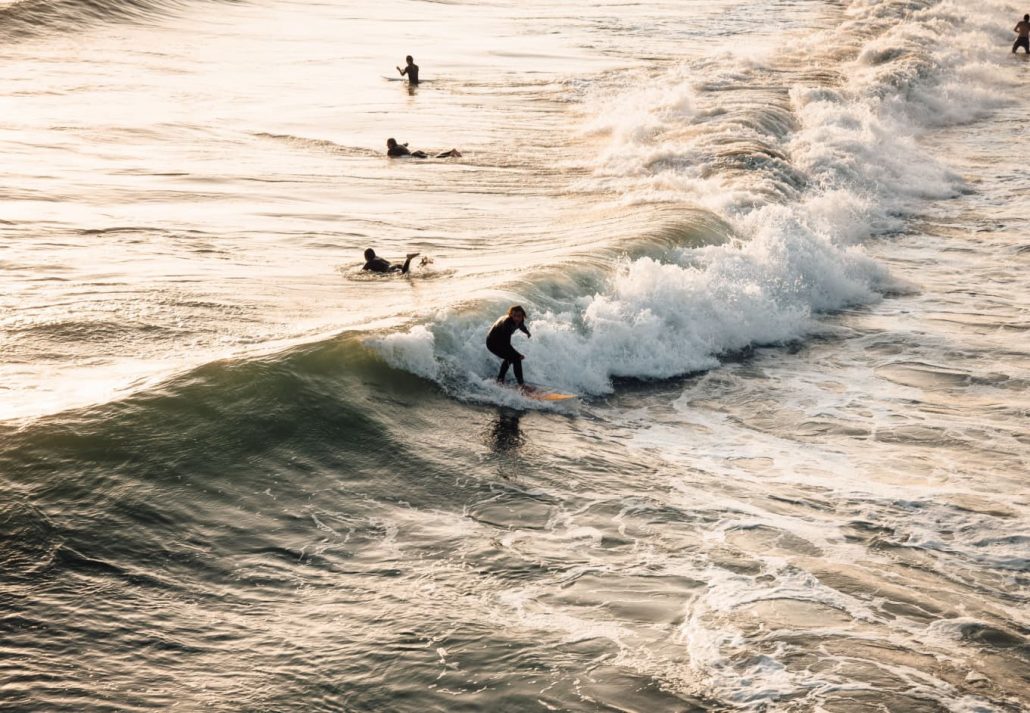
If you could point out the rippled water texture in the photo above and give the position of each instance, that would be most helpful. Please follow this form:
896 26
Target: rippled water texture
778 251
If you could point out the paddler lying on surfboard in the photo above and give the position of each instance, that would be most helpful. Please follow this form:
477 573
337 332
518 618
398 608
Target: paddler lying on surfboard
374 263
396 150
498 341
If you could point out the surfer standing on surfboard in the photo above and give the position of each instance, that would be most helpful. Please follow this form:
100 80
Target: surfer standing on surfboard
411 69
498 341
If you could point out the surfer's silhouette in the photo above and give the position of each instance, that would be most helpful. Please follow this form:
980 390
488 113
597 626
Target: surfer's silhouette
374 263
498 341
396 150
410 69
1022 30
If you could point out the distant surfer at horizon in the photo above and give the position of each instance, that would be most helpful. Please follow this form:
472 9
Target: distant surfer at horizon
410 69
374 263
396 150
498 341
1022 30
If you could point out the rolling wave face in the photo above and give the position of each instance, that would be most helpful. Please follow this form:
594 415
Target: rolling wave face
163 467
32 18
284 515
198 413
185 517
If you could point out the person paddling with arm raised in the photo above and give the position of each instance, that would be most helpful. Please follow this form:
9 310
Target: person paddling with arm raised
410 69
498 341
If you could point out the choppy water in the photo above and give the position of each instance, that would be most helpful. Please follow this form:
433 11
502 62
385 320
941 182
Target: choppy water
778 250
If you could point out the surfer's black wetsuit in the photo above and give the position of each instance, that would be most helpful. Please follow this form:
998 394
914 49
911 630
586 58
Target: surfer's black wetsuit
403 150
498 341
378 264
412 71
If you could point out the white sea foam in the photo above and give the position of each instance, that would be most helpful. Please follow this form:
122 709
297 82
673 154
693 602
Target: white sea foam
657 320
807 178
412 351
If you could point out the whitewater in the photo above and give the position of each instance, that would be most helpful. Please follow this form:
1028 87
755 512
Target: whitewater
777 251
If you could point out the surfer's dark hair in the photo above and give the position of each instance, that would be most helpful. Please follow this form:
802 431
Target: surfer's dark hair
369 253
516 308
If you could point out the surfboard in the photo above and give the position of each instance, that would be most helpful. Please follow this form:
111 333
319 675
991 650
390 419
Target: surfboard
544 393
551 396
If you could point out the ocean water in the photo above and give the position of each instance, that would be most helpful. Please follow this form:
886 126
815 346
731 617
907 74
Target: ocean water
779 251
